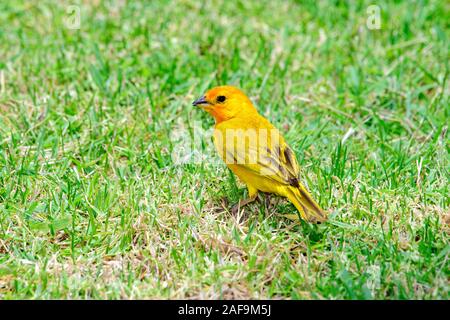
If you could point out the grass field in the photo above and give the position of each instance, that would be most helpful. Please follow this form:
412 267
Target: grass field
93 203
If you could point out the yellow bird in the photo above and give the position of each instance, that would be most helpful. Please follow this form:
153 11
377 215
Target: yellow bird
255 150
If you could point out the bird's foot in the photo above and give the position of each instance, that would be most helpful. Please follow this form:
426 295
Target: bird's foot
241 203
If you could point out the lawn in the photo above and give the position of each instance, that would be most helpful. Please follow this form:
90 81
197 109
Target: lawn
109 187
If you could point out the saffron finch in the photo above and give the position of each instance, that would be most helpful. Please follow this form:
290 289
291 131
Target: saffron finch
255 151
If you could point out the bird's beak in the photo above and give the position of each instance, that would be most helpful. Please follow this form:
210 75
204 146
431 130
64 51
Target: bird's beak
200 101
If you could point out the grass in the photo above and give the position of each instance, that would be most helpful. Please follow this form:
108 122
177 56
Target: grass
93 203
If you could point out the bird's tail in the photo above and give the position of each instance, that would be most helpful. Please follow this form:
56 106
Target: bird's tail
305 204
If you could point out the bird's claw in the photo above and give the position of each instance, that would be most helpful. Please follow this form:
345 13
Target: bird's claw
235 209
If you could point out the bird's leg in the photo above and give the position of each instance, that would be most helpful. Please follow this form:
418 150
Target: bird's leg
252 193
266 199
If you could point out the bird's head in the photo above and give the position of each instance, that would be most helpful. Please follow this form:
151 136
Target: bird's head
225 102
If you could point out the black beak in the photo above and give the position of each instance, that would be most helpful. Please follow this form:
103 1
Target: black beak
200 101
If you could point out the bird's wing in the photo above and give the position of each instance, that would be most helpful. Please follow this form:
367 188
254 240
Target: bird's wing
274 160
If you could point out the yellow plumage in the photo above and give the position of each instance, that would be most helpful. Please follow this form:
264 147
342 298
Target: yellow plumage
255 150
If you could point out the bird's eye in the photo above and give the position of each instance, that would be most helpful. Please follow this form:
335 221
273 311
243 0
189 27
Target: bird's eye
221 98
